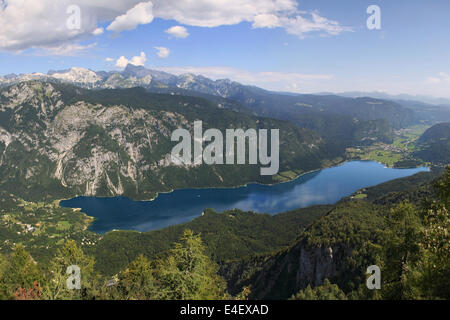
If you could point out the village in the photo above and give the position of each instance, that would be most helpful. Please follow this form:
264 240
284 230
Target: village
40 226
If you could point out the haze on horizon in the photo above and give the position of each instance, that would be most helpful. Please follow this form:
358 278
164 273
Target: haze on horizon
281 45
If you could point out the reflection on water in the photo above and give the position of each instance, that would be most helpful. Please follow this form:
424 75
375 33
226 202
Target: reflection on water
320 187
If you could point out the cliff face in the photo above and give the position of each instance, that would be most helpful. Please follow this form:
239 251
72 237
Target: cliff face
71 141
298 267
435 144
339 247
316 264
88 148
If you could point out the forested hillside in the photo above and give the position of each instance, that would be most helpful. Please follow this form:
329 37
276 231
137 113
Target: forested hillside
59 140
118 142
435 144
405 238
342 121
229 235
327 258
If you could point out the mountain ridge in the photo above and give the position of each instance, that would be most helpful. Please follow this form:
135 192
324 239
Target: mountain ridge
167 78
117 142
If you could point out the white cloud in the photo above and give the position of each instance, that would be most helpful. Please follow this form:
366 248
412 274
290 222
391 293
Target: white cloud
140 60
109 59
433 80
266 21
141 13
162 52
98 31
122 62
300 25
214 13
178 32
261 13
43 23
69 49
442 77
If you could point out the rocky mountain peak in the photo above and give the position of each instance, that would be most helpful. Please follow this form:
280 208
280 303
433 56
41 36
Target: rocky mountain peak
78 75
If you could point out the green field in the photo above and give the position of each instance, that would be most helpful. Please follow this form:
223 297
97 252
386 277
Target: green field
390 154
42 227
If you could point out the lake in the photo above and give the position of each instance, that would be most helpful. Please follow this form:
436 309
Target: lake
326 186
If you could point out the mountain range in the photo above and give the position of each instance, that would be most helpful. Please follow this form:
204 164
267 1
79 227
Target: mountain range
79 132
73 141
338 115
397 97
108 133
284 106
139 75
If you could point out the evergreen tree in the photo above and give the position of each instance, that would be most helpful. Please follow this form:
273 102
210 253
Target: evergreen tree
401 253
56 285
436 261
436 244
3 289
443 188
20 272
137 281
188 273
327 291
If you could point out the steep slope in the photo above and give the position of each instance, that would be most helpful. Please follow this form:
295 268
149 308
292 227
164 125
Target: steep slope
60 140
338 246
229 235
334 117
435 144
292 107
329 249
286 106
427 113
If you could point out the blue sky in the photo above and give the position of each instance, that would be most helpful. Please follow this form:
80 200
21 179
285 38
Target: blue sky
333 52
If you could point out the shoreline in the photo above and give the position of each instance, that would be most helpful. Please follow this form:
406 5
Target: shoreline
221 187
334 165
337 164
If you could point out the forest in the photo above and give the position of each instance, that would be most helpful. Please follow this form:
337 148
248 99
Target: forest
407 239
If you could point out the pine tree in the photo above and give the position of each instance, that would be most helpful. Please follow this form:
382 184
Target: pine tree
56 285
401 253
20 273
188 273
327 291
137 281
443 188
435 241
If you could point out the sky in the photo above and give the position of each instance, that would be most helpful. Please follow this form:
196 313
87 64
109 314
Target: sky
304 46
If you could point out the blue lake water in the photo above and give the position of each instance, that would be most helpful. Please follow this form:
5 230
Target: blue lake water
321 187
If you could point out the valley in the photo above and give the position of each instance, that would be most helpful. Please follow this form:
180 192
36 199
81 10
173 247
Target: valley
397 154
216 159
63 137
248 246
42 227
325 186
